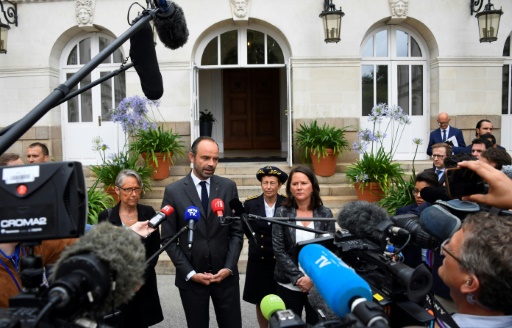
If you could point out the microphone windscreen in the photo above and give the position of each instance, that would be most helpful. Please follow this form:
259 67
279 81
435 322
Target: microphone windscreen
360 218
124 254
439 222
236 205
192 213
318 303
271 304
338 284
143 55
218 205
172 29
432 194
167 210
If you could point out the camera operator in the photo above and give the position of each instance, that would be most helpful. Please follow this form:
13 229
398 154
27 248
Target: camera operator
49 251
478 269
10 254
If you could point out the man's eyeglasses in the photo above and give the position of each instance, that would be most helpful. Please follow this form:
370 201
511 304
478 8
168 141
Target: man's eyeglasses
443 250
438 156
443 123
416 191
271 183
128 191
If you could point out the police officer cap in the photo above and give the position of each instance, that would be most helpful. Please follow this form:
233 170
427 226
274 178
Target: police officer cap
271 170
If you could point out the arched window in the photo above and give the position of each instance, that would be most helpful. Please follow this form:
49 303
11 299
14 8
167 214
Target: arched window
394 70
242 47
87 116
99 100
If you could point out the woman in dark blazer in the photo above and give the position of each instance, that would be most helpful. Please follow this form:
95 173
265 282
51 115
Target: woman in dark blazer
144 309
303 201
259 280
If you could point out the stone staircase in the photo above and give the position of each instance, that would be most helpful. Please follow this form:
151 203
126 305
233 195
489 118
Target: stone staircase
335 192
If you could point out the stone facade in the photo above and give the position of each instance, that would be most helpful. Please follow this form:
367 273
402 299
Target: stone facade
465 76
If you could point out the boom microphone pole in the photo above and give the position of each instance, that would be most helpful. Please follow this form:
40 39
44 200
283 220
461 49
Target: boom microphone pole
279 220
59 93
164 246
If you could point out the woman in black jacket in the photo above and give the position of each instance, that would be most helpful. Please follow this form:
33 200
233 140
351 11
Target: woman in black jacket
144 309
303 201
259 279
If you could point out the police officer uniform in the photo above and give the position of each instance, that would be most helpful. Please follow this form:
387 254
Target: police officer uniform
259 280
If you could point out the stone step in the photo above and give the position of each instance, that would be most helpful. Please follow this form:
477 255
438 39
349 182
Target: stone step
248 170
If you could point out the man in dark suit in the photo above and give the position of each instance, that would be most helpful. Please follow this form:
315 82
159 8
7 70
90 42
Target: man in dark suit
209 268
483 129
439 152
444 133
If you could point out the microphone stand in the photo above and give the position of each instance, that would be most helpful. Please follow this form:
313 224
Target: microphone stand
280 222
243 216
58 94
291 219
164 246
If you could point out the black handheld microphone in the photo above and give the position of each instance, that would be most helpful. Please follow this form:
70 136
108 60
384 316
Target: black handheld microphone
143 55
161 216
192 215
239 209
170 24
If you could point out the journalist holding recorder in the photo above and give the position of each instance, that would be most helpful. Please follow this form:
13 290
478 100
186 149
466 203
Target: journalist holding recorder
303 201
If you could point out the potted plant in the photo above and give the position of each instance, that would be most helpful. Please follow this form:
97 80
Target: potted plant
97 201
158 147
401 193
206 121
323 144
375 172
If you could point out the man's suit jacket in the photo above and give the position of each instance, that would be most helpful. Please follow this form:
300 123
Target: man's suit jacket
436 136
215 246
443 177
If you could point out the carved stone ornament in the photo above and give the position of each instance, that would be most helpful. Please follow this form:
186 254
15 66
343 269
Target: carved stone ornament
84 12
240 10
399 10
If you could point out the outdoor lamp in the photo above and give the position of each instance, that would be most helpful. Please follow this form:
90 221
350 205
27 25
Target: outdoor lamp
332 22
488 20
10 13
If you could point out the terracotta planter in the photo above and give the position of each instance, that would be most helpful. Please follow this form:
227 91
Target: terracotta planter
326 167
161 168
370 193
112 192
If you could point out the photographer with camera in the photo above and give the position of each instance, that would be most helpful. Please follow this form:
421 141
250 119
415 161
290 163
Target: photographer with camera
477 267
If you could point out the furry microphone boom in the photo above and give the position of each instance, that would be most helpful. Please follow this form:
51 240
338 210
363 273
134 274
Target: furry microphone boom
82 277
171 25
143 55
368 221
361 218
